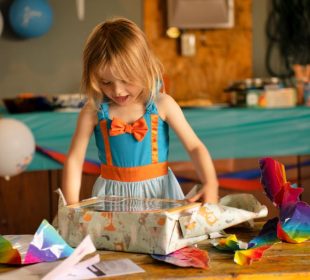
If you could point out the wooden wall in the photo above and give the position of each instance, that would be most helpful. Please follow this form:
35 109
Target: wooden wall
222 55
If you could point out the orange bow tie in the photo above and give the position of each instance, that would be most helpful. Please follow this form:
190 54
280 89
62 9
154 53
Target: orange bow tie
138 129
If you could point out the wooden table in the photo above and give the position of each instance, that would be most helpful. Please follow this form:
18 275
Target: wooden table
281 261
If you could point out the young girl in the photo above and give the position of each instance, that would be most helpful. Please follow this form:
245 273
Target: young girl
130 119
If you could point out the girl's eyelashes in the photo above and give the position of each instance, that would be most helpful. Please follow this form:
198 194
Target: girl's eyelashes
105 83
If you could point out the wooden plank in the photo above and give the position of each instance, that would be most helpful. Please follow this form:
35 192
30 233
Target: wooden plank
24 202
222 55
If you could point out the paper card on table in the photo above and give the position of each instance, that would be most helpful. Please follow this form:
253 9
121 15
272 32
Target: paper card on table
79 271
85 247
104 269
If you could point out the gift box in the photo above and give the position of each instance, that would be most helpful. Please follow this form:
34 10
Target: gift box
154 226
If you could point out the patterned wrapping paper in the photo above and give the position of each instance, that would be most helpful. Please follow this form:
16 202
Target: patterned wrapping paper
156 231
232 210
152 231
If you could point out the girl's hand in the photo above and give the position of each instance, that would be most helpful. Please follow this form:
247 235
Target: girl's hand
208 193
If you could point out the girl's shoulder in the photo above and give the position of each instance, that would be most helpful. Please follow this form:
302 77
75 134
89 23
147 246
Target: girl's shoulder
165 103
89 112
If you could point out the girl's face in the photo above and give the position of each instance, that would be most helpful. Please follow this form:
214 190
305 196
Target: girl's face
121 92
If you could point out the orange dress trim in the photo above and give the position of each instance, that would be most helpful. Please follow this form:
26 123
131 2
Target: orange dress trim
154 136
104 132
134 174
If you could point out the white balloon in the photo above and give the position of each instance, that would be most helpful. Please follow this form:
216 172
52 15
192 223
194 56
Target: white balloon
17 147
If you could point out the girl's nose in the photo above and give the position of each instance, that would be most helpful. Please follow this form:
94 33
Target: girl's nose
118 87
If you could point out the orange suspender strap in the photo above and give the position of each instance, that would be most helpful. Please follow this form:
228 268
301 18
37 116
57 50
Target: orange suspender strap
154 137
104 131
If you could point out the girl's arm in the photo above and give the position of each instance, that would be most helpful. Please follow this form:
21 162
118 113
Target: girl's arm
171 112
72 172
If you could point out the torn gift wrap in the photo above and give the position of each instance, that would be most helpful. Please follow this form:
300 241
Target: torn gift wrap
45 246
232 210
145 225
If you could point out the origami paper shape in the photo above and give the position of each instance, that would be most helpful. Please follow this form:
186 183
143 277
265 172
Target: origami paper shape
8 254
246 253
230 243
46 246
292 226
243 257
76 266
294 221
258 245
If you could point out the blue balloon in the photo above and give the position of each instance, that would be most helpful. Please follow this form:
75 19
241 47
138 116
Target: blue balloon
30 18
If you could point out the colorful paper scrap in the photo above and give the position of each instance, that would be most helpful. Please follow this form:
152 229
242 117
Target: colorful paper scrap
46 246
186 257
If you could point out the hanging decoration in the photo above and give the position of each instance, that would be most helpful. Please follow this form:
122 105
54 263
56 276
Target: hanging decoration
30 18
80 9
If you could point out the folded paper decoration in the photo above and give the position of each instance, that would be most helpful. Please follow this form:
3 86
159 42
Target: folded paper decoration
73 267
292 225
246 253
294 219
145 225
45 246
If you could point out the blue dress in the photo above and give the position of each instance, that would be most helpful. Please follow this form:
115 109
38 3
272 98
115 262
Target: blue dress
134 157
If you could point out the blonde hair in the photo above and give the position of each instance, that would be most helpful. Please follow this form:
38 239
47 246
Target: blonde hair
121 45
